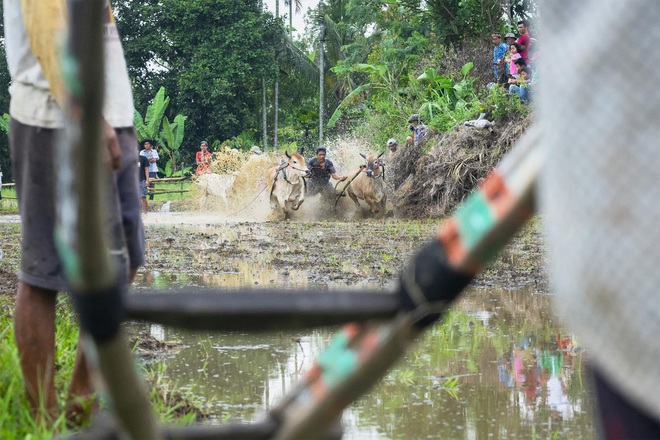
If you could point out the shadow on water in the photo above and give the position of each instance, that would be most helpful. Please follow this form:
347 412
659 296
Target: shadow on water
498 367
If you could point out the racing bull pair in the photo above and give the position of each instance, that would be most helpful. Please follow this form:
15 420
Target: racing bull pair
289 185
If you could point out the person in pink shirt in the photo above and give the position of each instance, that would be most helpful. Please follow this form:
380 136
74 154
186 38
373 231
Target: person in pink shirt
515 54
524 40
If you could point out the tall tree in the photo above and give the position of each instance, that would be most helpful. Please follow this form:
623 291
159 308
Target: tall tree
290 3
5 161
276 91
209 54
264 102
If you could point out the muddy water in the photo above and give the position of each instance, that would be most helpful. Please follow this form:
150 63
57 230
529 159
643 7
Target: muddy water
499 367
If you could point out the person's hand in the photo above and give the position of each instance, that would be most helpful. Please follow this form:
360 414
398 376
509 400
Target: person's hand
342 178
112 152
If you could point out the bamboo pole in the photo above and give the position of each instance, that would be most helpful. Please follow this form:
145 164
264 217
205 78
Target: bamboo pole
259 310
82 217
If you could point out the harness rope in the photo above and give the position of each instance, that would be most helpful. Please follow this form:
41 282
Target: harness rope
341 194
246 206
281 168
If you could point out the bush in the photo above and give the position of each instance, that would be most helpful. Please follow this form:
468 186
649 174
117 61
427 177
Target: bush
502 106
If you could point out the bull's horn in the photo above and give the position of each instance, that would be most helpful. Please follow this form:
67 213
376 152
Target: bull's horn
363 156
381 154
287 154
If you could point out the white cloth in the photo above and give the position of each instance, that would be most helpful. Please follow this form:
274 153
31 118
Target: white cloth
31 100
599 193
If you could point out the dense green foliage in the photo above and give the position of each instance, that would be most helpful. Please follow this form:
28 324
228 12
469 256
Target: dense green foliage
5 161
209 55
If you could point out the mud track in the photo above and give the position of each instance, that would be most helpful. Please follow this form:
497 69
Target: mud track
293 254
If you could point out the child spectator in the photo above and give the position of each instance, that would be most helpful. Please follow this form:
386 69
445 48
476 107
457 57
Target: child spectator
520 85
515 55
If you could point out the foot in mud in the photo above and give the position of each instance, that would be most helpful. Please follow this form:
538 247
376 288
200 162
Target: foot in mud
80 410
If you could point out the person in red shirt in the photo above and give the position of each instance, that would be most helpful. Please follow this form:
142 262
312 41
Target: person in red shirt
203 159
524 40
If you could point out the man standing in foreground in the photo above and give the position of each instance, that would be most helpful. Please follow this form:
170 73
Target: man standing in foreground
33 30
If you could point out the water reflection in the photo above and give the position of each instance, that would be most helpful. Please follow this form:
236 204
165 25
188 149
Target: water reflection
243 274
499 367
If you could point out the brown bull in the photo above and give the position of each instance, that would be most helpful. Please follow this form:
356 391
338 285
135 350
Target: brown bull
288 184
368 185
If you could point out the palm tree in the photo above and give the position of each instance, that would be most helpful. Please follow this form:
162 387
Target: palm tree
277 90
290 3
264 116
277 82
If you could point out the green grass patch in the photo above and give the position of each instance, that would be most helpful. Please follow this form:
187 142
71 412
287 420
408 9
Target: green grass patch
8 203
15 419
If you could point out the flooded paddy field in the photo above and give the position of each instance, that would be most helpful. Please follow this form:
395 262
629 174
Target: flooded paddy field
500 366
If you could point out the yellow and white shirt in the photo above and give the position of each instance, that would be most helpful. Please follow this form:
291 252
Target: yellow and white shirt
34 31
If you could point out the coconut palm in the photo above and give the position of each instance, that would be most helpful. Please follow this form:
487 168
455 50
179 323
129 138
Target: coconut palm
264 115
290 3
277 81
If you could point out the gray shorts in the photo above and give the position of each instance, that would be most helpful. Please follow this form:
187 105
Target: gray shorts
33 158
143 189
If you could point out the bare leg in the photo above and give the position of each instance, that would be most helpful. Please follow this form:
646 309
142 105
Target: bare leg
80 402
34 328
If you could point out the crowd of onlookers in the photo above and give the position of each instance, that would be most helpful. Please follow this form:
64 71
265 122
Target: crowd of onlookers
514 61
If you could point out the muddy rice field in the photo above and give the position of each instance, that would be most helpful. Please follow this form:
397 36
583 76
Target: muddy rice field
500 366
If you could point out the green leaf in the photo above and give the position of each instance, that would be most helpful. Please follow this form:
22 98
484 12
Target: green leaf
168 169
351 99
339 111
139 126
178 129
380 69
4 123
167 134
155 112
466 68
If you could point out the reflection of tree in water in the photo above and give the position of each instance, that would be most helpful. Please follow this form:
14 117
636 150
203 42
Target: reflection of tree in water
480 348
230 371
241 374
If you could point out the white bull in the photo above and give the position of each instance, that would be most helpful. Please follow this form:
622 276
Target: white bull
288 184
214 185
368 185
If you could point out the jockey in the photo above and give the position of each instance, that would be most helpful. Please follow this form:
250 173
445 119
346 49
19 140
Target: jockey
321 170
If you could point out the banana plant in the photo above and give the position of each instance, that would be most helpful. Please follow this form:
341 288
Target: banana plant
445 90
168 135
172 136
149 127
